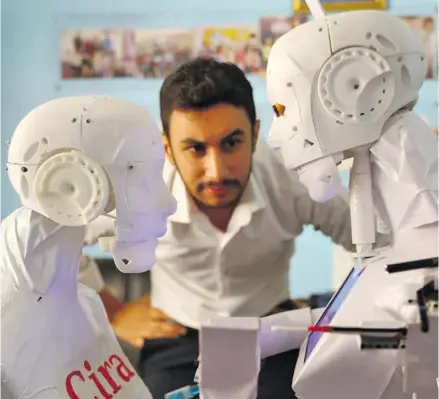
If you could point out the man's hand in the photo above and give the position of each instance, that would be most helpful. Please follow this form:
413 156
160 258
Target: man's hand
138 321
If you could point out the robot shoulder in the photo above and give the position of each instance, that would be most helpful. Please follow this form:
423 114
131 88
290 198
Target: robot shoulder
13 231
410 135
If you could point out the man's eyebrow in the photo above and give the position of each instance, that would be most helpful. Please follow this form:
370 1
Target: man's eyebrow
190 142
234 134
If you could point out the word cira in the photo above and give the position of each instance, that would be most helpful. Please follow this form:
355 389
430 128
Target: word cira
113 371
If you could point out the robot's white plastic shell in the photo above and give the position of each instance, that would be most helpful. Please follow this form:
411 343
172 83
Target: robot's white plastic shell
253 339
55 333
395 174
363 67
338 85
73 159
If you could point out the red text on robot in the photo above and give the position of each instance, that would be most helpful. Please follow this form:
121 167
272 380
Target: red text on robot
113 371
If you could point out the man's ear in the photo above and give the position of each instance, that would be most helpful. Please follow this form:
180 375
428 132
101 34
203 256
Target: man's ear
168 150
256 134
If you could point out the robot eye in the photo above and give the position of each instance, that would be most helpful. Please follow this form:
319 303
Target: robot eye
279 109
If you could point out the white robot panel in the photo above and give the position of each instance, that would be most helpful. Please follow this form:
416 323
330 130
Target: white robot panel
390 347
72 160
76 158
358 103
365 66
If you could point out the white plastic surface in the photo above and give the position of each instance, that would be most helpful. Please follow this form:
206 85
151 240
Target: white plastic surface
274 341
223 370
57 342
405 183
365 65
71 188
90 275
351 96
72 159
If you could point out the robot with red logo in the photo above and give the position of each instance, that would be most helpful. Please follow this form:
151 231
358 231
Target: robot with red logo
351 97
72 160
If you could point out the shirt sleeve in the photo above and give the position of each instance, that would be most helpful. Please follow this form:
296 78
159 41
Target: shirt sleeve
332 218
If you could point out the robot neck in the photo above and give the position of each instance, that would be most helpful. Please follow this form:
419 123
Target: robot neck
361 202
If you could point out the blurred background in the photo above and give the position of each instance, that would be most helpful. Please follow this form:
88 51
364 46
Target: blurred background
57 48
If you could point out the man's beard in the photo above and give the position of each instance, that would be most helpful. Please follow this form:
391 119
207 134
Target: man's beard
228 182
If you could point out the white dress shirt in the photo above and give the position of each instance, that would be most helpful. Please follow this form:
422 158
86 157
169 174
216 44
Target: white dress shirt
202 272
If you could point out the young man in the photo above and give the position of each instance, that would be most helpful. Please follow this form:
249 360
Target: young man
228 246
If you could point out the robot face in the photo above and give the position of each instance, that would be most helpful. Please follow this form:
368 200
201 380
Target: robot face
133 157
74 159
292 131
364 66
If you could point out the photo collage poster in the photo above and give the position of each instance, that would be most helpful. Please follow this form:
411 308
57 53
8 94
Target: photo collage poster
154 53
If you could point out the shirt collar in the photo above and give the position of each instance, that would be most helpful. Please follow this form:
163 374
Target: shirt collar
251 201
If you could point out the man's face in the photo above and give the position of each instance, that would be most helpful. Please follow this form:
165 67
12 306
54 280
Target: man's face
212 150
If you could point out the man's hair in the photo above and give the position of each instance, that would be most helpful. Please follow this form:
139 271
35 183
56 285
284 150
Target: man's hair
428 20
203 83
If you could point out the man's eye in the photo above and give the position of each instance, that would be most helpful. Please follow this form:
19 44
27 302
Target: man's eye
230 144
197 149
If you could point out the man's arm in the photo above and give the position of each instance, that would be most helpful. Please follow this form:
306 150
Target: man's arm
332 218
132 322
111 304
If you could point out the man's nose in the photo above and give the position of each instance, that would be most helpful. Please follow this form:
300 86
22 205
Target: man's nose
215 167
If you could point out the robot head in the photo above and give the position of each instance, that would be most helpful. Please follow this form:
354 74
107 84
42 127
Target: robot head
74 159
333 82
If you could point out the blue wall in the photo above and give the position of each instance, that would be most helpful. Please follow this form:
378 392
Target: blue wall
30 75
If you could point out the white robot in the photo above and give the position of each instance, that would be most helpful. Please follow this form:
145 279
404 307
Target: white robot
351 96
70 161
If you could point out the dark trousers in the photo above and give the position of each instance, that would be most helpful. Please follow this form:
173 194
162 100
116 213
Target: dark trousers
169 364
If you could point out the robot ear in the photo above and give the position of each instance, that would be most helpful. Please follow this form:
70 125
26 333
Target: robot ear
72 189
